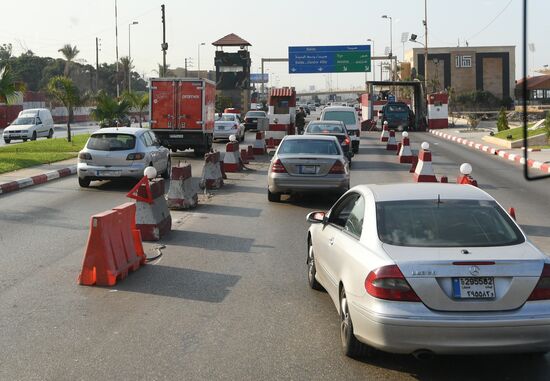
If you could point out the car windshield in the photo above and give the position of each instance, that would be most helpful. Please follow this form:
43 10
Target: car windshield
226 118
255 114
308 146
23 121
445 223
325 129
111 142
348 117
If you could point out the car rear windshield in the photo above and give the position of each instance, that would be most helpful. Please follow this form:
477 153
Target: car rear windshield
111 142
445 223
397 108
255 114
309 146
325 129
226 118
348 117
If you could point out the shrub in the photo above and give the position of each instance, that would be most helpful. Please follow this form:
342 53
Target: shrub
502 121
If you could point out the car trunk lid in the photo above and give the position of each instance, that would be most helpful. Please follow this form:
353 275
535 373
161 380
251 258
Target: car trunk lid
470 279
314 166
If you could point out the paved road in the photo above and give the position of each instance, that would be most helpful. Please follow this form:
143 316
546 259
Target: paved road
229 298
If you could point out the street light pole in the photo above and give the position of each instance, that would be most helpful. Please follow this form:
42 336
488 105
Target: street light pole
130 56
116 43
426 44
372 55
199 59
391 45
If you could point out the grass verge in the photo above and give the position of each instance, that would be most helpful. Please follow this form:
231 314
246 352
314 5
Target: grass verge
29 154
517 133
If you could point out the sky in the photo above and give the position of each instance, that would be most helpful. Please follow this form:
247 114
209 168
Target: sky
43 26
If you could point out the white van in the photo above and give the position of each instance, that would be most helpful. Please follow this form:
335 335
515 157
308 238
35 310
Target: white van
349 116
30 124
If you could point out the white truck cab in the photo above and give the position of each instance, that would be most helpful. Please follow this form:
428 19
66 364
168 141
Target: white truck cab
349 116
30 125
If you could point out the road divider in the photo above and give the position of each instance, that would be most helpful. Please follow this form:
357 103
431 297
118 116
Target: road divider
231 158
424 172
391 144
212 175
385 133
465 175
114 247
182 193
153 217
405 153
259 144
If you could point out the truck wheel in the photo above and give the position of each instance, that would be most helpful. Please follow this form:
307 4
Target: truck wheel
50 134
7 141
33 137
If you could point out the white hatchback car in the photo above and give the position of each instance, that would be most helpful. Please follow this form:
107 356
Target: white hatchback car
227 125
121 152
430 269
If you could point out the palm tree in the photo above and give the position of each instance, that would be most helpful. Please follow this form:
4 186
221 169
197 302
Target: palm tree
10 89
64 90
139 102
108 108
70 53
127 66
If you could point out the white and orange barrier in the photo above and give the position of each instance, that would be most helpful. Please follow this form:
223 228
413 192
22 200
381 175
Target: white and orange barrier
424 172
405 153
182 194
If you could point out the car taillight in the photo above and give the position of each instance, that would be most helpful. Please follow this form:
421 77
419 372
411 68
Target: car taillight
542 289
388 283
135 156
84 156
338 168
278 167
347 141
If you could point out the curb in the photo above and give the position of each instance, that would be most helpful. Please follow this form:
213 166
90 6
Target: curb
544 167
35 180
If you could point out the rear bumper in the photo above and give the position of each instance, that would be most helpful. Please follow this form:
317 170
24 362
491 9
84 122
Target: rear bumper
98 172
523 330
224 134
181 139
284 183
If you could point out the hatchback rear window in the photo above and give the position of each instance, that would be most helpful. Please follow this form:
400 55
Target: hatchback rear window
255 114
309 146
111 142
348 117
325 129
445 223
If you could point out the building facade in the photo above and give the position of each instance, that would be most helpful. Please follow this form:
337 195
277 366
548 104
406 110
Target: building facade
467 69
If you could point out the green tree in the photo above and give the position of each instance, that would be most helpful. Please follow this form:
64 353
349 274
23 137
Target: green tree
127 67
222 103
10 88
502 121
138 101
547 125
70 53
5 53
109 108
64 90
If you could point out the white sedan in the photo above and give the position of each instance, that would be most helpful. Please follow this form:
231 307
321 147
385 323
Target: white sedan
430 269
227 125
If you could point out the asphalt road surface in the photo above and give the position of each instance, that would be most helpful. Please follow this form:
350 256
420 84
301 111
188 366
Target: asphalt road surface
228 299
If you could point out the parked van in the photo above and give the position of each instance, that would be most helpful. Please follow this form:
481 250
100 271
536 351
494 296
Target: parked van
349 116
30 125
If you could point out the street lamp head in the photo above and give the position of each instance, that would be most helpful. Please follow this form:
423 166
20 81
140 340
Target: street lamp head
135 22
203 43
384 16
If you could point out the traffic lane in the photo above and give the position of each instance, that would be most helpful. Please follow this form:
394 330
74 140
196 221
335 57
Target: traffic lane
502 179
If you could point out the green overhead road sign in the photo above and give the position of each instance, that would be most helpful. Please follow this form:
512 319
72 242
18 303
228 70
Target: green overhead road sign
329 59
352 62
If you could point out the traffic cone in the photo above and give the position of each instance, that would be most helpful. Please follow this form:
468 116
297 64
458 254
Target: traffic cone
405 153
424 172
259 144
385 133
392 143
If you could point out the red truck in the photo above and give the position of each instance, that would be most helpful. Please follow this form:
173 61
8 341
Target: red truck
182 111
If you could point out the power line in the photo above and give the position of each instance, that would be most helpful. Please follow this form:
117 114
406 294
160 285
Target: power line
490 23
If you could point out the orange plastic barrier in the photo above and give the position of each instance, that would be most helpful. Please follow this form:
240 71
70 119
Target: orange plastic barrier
114 247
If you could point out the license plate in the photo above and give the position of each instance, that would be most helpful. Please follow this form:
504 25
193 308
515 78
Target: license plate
177 136
308 169
474 288
109 173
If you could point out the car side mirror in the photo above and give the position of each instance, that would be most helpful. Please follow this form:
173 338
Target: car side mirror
317 218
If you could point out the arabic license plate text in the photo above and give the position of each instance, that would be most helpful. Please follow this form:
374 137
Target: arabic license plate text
474 288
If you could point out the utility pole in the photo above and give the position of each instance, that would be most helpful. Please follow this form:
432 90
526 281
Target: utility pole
186 68
96 64
116 43
164 45
426 44
199 59
130 56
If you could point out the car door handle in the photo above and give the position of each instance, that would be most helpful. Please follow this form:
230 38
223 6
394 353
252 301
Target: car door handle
331 241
